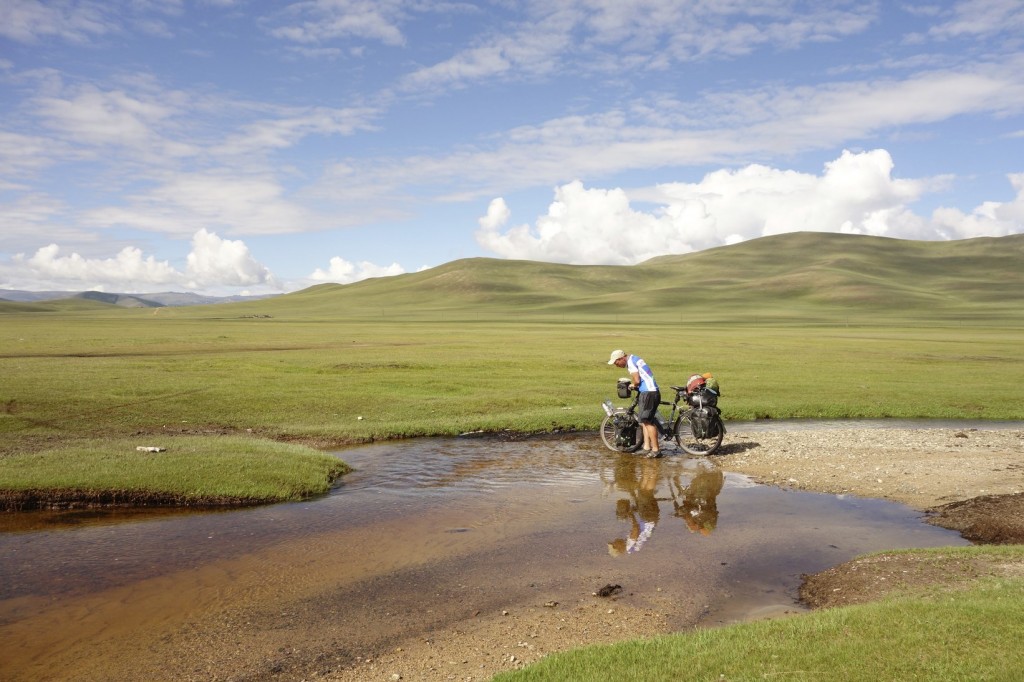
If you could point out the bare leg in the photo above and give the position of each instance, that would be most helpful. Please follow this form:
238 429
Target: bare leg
650 437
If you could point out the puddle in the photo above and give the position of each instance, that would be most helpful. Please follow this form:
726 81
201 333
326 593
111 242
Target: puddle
436 530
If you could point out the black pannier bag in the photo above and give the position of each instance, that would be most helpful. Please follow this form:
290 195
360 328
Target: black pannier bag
713 423
622 388
625 431
700 422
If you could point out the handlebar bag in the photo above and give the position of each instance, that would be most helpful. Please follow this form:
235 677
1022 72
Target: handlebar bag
622 388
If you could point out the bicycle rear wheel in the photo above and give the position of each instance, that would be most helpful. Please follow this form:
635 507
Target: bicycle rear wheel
621 433
691 444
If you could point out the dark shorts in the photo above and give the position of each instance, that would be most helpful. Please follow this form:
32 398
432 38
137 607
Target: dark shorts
648 405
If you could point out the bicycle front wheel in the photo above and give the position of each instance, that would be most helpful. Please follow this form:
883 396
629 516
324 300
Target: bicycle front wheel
621 433
691 444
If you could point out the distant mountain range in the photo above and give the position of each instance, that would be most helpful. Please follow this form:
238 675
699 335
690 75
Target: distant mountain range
160 300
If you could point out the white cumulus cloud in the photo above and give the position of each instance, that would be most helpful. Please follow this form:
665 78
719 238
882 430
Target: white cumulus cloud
342 271
214 265
127 267
990 219
223 262
856 193
583 226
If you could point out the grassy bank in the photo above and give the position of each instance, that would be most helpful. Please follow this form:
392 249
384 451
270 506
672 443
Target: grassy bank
191 471
969 635
962 629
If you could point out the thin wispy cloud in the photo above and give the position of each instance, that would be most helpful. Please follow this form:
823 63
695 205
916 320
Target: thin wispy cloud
319 21
30 22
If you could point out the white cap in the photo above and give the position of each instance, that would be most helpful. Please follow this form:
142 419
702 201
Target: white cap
616 354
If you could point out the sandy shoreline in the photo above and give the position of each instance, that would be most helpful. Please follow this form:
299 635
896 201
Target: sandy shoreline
922 468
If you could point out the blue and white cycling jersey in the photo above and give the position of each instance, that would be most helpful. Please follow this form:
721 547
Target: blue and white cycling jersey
635 545
634 363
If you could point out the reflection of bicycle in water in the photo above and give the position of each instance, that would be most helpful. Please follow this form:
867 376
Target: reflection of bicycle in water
697 503
638 479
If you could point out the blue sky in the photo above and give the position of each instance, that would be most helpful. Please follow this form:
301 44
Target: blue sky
241 146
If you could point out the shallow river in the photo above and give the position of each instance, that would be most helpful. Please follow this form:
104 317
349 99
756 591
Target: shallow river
424 533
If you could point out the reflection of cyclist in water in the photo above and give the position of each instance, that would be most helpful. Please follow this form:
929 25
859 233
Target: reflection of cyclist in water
638 478
699 507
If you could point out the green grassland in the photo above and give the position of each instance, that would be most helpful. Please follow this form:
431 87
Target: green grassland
799 325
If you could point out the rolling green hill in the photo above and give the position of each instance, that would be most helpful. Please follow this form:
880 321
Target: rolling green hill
792 278
795 278
837 275
64 305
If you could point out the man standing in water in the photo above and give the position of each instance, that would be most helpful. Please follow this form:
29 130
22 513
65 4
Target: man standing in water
650 397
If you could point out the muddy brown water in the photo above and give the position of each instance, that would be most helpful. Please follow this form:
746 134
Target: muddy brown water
425 533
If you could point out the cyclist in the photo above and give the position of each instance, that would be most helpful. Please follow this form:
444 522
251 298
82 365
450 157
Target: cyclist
650 397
